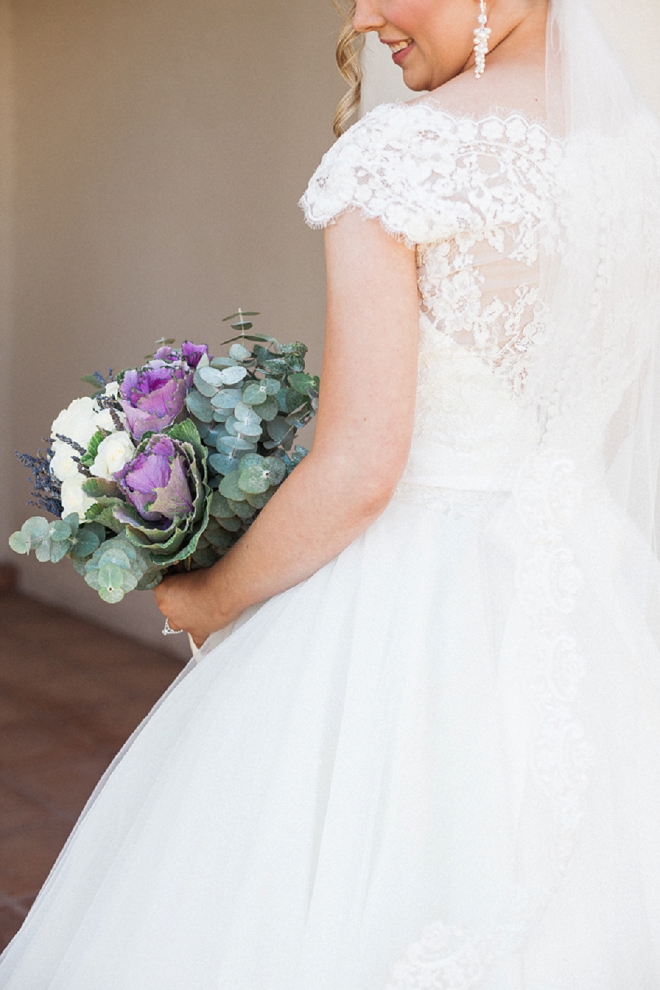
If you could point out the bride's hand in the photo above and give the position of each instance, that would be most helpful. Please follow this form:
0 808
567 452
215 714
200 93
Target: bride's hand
188 602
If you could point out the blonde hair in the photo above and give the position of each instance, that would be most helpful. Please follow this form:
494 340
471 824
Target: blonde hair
349 50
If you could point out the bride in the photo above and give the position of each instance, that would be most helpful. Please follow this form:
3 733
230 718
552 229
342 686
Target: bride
427 755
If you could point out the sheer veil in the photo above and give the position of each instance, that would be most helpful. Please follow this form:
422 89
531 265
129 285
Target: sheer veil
584 507
602 272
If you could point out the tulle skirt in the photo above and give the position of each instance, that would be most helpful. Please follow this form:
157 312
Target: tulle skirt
379 753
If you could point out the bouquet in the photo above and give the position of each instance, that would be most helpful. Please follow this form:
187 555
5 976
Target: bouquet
165 466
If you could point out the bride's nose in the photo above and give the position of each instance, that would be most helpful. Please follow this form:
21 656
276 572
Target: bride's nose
367 16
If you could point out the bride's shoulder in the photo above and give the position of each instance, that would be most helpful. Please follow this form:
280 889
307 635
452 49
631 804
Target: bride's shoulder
390 165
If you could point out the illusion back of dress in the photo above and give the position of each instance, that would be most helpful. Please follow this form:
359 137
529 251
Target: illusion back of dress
476 198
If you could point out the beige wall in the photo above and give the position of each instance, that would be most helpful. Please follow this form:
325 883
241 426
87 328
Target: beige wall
634 25
6 267
161 147
383 80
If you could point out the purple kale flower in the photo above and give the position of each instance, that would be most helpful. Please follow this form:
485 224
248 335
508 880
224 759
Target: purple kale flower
156 481
166 354
153 397
193 353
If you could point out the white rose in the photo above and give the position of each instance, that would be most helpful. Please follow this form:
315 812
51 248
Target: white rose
105 422
73 498
77 421
111 390
63 465
113 454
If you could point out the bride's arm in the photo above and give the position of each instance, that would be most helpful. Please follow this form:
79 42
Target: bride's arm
362 439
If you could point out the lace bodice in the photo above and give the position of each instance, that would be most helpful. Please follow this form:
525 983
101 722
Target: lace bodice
476 199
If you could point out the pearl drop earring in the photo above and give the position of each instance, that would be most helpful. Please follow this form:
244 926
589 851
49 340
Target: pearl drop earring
481 36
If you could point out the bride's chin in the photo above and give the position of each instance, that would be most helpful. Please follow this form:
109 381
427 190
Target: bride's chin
415 84
416 80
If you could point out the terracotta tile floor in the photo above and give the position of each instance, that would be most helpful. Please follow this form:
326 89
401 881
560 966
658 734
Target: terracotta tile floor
70 695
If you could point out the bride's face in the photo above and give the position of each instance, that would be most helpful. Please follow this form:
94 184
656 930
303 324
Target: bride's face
431 40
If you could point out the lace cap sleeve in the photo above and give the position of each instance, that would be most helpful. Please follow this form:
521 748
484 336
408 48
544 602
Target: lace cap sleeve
396 165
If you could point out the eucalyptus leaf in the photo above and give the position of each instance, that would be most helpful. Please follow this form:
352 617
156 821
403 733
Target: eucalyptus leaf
248 459
269 409
86 544
277 366
222 539
200 406
204 387
215 434
302 382
19 543
230 489
235 443
231 376
111 596
242 509
42 551
78 566
60 531
96 528
253 480
58 551
278 428
220 507
202 428
252 431
223 362
255 393
241 313
239 353
210 376
232 525
204 557
73 522
275 470
226 398
244 413
260 500
111 576
223 463
150 581
116 558
34 529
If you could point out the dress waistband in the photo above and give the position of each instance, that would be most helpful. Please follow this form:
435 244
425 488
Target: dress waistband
436 465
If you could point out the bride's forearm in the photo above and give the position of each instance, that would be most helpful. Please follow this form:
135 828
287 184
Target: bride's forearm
362 440
318 512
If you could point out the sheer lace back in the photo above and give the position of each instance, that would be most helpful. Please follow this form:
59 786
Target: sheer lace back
476 199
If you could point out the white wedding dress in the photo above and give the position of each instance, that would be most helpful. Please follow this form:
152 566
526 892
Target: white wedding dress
434 765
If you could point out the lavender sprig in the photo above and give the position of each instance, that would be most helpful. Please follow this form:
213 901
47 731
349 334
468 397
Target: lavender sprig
47 488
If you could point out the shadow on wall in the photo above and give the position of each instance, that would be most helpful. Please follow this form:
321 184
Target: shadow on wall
160 150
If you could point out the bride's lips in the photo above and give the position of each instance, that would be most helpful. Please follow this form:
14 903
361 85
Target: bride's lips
400 49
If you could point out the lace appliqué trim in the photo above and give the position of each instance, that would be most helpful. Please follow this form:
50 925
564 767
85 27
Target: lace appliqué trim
450 957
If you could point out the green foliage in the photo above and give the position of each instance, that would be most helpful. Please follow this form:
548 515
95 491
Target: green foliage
58 539
117 567
88 458
249 406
